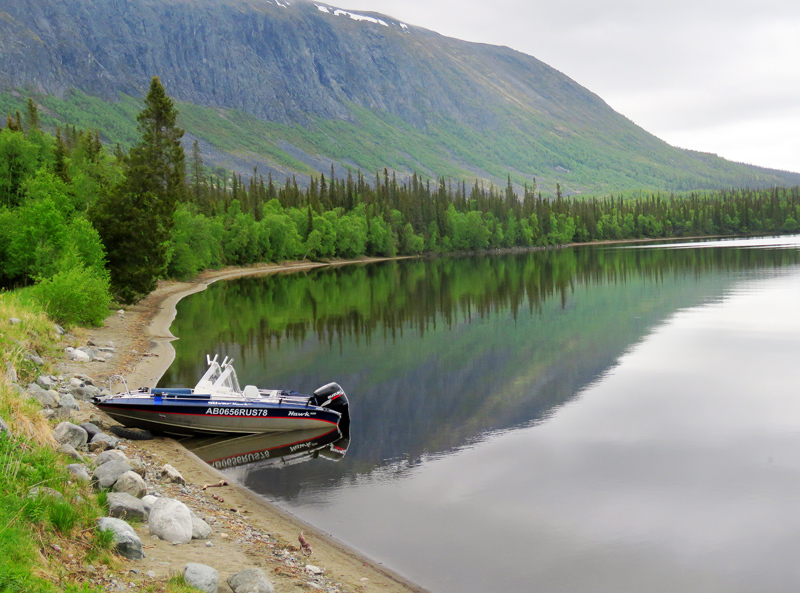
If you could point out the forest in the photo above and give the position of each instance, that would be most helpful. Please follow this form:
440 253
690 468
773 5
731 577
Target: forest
83 224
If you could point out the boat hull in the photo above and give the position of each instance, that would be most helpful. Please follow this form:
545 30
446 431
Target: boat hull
191 417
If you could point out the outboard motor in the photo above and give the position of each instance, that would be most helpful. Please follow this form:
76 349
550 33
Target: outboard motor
333 396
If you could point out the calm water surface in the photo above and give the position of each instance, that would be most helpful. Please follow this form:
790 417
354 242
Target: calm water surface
593 419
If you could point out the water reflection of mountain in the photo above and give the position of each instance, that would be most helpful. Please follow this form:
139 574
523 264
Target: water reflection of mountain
435 354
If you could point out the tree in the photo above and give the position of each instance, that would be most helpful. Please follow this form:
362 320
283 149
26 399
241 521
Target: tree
157 163
135 221
32 115
198 172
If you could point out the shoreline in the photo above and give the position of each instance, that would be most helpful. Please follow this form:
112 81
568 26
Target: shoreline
143 333
142 337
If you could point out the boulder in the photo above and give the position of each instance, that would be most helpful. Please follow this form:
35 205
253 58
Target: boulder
126 542
48 399
148 501
44 491
68 402
45 382
79 471
131 483
201 577
200 529
170 474
124 506
250 580
77 355
68 433
11 373
106 475
103 442
91 429
14 320
71 451
111 455
34 358
171 520
138 466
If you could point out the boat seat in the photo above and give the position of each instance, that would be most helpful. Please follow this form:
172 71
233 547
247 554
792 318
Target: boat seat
251 391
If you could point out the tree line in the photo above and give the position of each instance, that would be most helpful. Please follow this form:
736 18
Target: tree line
81 221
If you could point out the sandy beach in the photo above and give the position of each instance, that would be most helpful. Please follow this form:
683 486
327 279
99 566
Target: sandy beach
141 339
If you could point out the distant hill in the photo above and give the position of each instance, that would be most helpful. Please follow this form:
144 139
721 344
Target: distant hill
296 88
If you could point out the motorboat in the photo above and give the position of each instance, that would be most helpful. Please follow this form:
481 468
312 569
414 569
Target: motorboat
217 405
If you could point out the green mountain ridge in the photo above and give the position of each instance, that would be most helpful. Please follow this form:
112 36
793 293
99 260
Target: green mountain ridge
297 89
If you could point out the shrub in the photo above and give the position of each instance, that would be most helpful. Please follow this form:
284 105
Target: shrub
75 296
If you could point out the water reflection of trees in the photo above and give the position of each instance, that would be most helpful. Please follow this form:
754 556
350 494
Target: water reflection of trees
389 298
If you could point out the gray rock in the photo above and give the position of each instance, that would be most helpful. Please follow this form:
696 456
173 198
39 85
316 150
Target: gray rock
44 491
250 580
48 399
59 330
45 382
14 320
109 441
126 541
3 426
111 455
79 471
106 475
131 483
201 577
91 391
68 402
138 466
171 520
200 529
170 474
11 373
91 429
148 501
124 506
67 433
34 358
71 451
77 355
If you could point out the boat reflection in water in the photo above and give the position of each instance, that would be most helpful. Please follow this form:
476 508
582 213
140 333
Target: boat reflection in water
259 451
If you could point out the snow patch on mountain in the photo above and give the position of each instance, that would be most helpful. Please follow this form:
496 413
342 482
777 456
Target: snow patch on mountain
353 15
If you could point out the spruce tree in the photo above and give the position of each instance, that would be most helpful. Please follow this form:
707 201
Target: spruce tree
135 221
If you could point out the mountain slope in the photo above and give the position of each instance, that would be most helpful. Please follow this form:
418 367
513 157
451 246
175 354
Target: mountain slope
296 88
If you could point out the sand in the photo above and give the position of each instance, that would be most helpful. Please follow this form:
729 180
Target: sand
141 339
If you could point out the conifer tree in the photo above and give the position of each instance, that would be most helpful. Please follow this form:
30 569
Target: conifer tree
31 115
135 222
157 163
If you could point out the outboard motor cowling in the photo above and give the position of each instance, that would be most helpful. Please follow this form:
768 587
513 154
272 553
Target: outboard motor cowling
332 396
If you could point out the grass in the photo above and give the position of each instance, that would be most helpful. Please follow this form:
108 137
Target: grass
44 539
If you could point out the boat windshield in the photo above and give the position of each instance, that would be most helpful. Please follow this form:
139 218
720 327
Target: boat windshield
219 378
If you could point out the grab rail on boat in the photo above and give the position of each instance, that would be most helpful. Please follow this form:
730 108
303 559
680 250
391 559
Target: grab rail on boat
111 381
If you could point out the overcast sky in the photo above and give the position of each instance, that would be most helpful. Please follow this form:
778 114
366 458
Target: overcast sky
720 76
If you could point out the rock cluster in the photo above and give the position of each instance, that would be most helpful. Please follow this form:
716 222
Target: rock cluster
145 491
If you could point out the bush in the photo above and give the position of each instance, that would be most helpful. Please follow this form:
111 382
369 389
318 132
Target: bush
75 296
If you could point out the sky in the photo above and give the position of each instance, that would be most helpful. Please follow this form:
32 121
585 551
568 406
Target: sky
719 76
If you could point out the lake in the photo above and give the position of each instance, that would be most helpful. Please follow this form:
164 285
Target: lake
598 419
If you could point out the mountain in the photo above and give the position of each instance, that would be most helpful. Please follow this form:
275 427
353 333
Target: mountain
296 88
